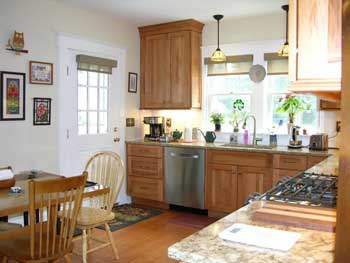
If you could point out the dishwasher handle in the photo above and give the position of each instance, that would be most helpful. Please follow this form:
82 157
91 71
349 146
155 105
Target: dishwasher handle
184 155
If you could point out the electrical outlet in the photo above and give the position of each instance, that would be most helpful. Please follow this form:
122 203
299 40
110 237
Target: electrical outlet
338 126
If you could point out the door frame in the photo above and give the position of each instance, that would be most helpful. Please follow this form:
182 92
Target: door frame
66 44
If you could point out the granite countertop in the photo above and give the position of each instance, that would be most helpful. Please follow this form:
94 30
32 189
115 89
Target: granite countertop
220 146
205 246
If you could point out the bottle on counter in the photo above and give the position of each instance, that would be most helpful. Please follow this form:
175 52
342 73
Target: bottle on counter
234 136
246 137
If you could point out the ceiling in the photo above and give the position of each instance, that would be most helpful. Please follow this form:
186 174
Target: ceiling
146 12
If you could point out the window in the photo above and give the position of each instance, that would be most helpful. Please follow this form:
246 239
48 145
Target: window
93 98
277 88
222 91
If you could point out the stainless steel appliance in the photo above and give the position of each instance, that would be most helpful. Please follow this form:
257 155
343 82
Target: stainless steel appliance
319 142
304 189
295 141
184 177
156 127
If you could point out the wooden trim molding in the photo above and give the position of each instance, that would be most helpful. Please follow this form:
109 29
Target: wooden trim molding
343 204
189 24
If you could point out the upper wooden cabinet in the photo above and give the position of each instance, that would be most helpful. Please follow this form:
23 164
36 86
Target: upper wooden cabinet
315 47
171 65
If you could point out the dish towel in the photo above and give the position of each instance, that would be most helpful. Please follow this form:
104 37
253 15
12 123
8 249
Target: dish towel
6 174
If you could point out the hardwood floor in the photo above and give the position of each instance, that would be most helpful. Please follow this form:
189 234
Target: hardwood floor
144 242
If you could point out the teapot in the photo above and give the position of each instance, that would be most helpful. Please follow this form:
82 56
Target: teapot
209 136
176 134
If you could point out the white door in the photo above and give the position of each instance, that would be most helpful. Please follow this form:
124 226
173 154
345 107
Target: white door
91 112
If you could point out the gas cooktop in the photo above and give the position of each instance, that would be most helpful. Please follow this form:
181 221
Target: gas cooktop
304 189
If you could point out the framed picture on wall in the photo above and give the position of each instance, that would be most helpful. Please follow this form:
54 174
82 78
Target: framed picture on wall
132 86
12 96
42 111
40 73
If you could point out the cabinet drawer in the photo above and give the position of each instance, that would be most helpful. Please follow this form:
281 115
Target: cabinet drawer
145 166
290 162
145 150
151 189
313 160
239 158
278 174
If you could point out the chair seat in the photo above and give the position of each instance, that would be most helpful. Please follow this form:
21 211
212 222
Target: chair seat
8 226
16 245
92 216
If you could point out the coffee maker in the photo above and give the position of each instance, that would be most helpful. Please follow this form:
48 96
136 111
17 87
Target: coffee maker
156 127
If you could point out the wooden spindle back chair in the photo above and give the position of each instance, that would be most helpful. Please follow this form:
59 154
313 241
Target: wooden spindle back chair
61 199
106 168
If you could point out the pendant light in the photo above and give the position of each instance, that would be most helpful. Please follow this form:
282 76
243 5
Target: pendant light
284 51
218 55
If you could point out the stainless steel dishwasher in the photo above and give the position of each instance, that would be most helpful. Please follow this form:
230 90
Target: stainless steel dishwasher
184 177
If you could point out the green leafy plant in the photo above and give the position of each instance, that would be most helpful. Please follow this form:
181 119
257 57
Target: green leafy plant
292 105
238 114
217 118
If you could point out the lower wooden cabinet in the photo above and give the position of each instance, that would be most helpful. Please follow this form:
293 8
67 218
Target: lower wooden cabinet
145 188
221 188
252 180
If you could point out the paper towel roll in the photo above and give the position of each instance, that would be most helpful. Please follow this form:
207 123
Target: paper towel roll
188 134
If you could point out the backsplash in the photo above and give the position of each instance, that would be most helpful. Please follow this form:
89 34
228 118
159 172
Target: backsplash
193 118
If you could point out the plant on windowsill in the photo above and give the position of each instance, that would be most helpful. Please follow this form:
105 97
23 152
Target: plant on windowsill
217 119
238 114
292 105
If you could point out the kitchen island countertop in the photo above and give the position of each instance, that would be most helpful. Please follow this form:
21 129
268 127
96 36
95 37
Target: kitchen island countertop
205 246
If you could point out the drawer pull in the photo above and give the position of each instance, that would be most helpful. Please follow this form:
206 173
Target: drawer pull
290 161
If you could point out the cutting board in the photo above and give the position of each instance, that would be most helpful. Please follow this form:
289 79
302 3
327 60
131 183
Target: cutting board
316 218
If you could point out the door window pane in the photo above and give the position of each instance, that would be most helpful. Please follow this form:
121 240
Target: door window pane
93 101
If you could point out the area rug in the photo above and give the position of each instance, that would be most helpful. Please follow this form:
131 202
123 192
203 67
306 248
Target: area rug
193 220
126 215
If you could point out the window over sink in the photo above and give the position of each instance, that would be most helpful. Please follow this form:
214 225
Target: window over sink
227 82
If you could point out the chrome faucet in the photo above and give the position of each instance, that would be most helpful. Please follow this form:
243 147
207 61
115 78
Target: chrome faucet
255 140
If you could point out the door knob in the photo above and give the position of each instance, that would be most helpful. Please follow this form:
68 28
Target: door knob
115 129
116 139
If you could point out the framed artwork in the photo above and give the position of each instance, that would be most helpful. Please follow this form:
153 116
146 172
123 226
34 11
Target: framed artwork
42 111
132 86
12 96
40 73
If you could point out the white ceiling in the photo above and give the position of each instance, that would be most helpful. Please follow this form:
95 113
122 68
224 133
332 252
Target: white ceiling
145 12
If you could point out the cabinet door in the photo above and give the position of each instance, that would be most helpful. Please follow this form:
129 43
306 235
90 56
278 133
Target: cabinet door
155 71
311 42
180 70
221 188
151 189
145 167
251 180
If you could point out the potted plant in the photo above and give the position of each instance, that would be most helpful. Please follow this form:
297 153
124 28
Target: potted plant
292 105
238 114
217 119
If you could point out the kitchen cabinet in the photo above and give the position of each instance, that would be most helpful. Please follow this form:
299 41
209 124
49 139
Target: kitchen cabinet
315 47
145 179
171 65
221 188
232 176
252 180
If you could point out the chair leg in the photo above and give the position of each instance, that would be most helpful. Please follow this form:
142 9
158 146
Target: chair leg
89 235
67 259
4 260
84 246
111 239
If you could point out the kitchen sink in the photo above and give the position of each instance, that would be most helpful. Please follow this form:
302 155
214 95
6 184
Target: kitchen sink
248 146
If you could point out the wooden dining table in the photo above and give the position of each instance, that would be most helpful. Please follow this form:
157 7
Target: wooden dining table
18 203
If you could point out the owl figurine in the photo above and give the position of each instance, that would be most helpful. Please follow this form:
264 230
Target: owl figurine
18 40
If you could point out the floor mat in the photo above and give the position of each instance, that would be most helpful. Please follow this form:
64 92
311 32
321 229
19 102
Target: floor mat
193 220
126 215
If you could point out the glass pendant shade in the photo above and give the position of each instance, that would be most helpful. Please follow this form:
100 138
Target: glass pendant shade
218 56
284 51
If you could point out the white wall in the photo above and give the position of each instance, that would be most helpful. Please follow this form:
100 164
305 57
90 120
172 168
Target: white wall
23 145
